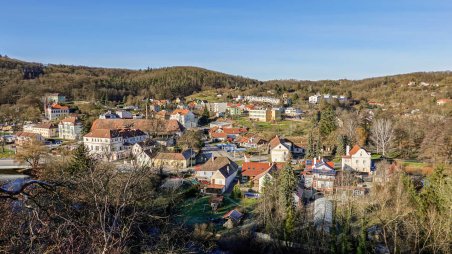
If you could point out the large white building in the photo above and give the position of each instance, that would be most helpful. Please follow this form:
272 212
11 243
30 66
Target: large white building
56 111
113 144
184 117
357 159
70 128
217 107
263 99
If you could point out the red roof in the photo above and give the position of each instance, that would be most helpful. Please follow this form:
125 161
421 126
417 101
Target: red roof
255 168
218 135
58 106
72 119
180 111
354 150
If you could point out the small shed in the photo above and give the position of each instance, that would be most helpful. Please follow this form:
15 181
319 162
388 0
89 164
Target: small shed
233 218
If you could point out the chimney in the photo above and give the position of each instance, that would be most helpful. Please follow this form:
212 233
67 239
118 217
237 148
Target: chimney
227 169
347 150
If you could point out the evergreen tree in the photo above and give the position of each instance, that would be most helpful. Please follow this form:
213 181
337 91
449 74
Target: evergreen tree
327 122
318 147
310 148
81 161
341 144
287 185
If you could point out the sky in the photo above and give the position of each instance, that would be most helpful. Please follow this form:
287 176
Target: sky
317 39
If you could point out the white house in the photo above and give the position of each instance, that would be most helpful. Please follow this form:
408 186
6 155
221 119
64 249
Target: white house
47 130
282 149
70 128
55 111
259 173
217 174
320 175
357 159
113 144
217 107
314 99
184 117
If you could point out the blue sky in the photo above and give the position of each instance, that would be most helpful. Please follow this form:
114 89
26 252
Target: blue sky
323 39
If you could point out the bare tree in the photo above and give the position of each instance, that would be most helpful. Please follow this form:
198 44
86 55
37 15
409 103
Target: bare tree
382 135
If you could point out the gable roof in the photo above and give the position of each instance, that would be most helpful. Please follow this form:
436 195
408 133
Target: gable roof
58 106
27 134
45 126
107 133
233 214
253 169
71 119
181 112
147 125
354 150
185 155
274 142
216 163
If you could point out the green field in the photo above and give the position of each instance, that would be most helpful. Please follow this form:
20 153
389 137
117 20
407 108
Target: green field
210 96
198 210
6 154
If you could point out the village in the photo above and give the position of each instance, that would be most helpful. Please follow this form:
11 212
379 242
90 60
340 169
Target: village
215 151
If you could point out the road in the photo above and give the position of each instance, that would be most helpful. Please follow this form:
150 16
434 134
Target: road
8 164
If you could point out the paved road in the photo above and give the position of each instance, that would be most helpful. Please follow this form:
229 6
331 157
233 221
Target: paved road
11 164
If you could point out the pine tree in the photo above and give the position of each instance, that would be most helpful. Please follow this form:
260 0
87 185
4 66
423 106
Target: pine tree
327 122
318 147
287 184
341 144
310 147
81 161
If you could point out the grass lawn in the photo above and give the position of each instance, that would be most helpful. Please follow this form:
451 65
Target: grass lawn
210 96
198 210
6 154
416 164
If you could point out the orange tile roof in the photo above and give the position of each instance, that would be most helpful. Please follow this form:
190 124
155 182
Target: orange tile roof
255 168
274 142
45 126
180 111
147 125
58 106
26 134
72 119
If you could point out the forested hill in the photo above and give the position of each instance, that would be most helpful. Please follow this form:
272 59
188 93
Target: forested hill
19 79
28 81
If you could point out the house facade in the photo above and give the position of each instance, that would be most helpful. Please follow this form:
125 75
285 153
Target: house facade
357 159
174 161
184 117
320 176
70 128
26 138
46 130
282 149
216 174
55 111
257 174
113 144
